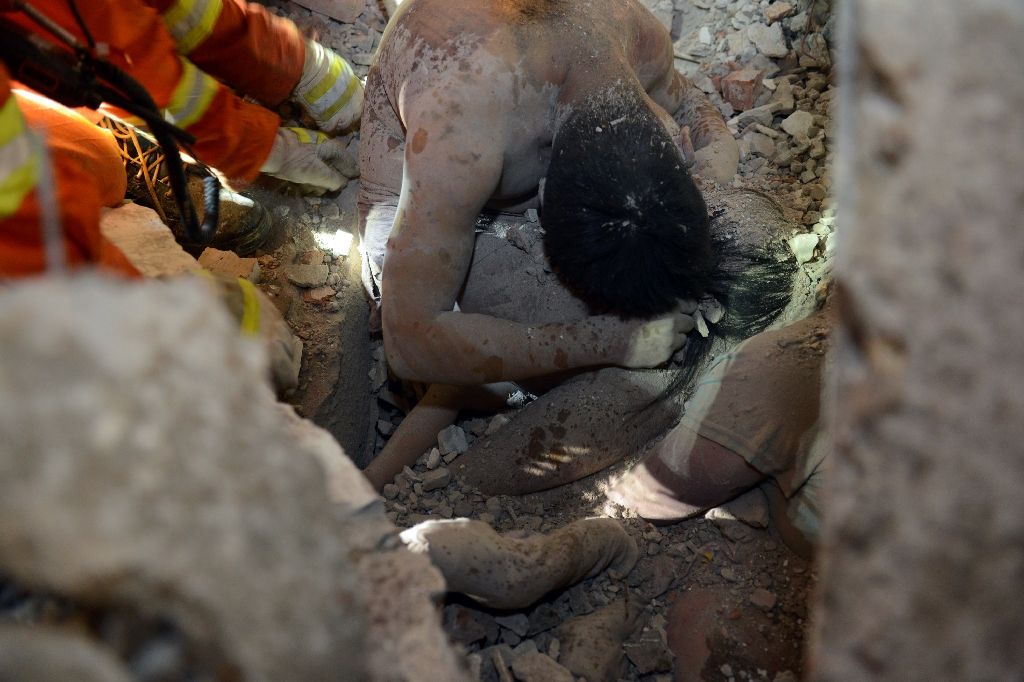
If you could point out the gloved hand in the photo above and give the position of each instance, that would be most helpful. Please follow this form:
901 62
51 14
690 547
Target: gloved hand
311 159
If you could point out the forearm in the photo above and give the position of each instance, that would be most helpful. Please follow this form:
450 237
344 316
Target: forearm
702 117
469 349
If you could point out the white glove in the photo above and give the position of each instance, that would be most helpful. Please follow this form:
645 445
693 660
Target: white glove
311 159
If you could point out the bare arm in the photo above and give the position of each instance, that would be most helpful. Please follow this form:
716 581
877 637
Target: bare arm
453 162
717 153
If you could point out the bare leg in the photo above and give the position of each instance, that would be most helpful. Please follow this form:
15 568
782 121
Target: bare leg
708 476
506 573
418 431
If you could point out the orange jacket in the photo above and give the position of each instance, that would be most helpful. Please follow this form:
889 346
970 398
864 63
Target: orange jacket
160 43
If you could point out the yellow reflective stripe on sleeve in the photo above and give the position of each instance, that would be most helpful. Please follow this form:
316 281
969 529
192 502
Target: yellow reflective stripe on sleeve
250 308
11 122
192 97
191 22
343 100
19 160
16 185
321 137
338 65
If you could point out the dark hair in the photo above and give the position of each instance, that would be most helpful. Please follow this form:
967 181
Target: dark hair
754 277
625 226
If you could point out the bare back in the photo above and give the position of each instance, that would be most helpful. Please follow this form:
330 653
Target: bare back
461 107
516 62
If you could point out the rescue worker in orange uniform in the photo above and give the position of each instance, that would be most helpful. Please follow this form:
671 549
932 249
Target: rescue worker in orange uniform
171 47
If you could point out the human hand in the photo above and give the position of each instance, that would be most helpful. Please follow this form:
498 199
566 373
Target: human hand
311 159
652 342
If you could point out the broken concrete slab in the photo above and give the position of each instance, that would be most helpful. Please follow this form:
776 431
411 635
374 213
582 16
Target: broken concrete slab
146 242
39 654
162 476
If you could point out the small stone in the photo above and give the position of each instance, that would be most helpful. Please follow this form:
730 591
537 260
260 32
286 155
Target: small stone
385 427
811 218
312 257
525 648
763 599
318 295
750 508
539 667
803 246
308 276
816 192
436 479
390 491
463 508
496 423
817 149
463 625
518 623
649 653
653 548
729 574
778 11
768 40
742 88
726 669
229 264
704 35
532 215
510 638
543 618
798 123
813 51
494 505
433 458
452 439
700 324
758 116
760 144
808 176
579 603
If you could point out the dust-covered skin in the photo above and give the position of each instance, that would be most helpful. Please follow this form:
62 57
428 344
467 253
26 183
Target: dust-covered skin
462 104
575 430
505 572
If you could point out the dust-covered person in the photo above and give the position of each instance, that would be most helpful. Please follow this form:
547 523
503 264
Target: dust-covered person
505 106
472 105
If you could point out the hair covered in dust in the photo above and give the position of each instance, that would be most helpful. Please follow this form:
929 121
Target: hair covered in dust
625 226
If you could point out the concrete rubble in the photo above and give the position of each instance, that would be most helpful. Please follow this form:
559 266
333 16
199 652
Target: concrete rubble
156 477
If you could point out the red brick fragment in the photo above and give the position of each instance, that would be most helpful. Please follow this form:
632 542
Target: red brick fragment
742 88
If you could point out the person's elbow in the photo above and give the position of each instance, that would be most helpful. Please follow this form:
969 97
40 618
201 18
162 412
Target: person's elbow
407 346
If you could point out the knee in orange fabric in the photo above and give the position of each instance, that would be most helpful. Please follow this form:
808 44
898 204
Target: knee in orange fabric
72 137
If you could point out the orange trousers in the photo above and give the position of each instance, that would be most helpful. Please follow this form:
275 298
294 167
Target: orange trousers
88 174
